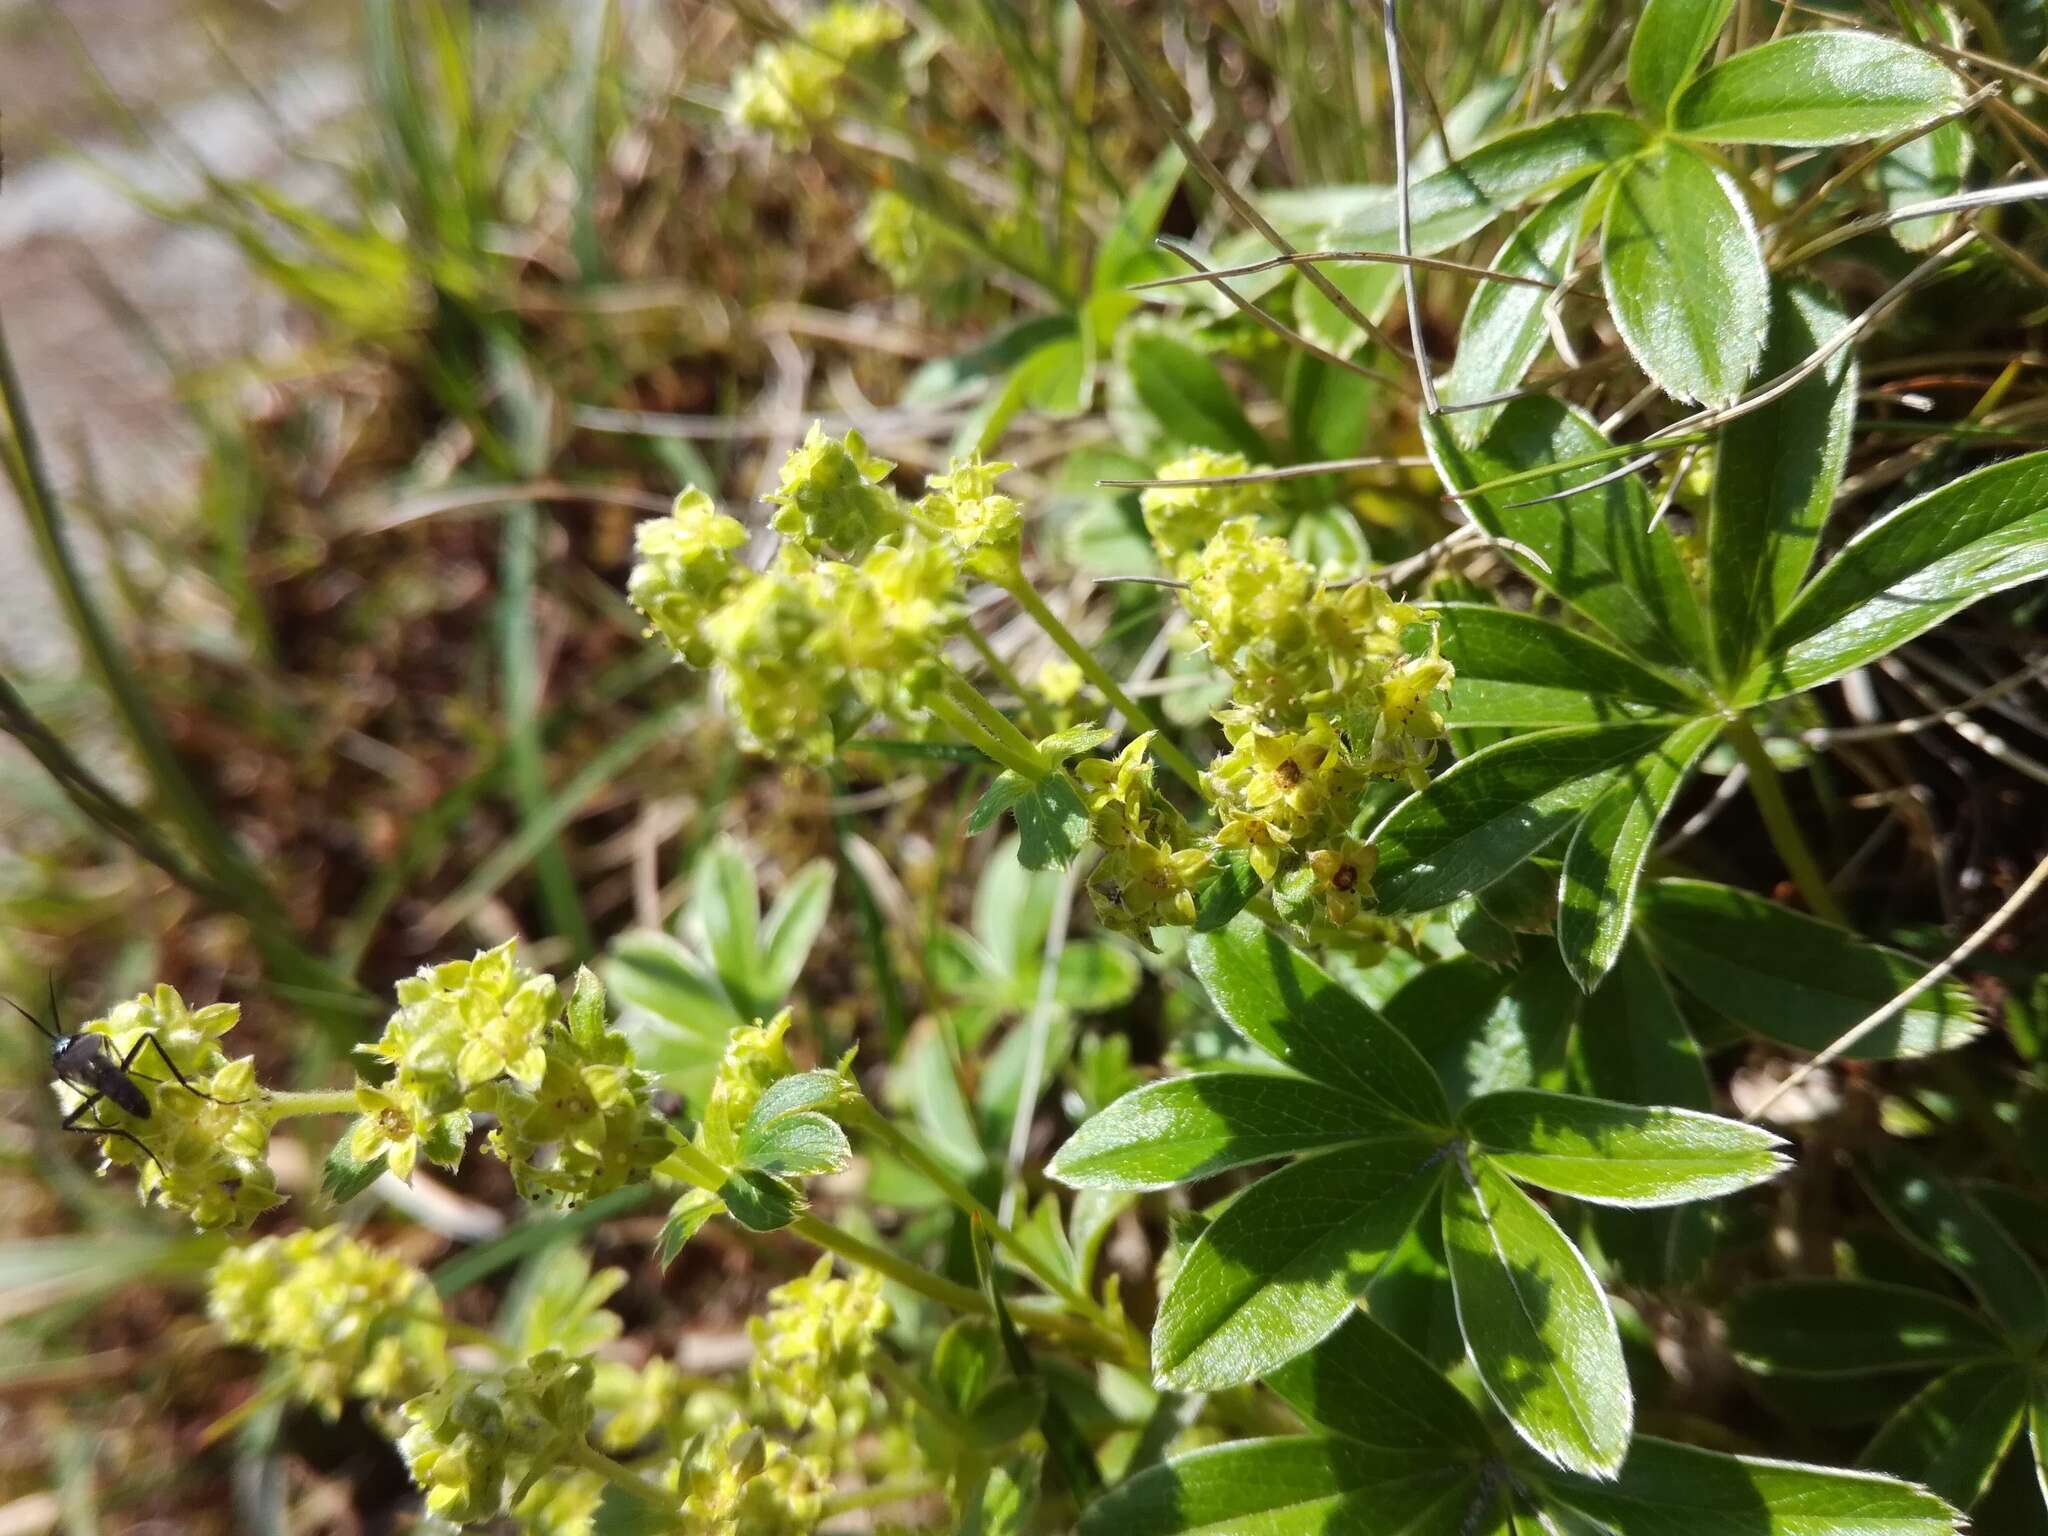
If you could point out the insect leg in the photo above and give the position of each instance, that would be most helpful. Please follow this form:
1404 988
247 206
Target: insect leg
99 1127
148 1037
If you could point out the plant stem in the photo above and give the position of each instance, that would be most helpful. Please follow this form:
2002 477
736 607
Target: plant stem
1041 722
645 1489
908 1149
912 1277
969 731
993 720
1768 787
1169 754
292 1106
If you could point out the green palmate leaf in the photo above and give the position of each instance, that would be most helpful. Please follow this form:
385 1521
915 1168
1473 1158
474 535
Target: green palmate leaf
1191 1127
1775 478
1852 1328
1536 1323
1503 331
727 904
1458 201
1684 275
760 1202
1605 858
1004 791
1364 1384
1480 1036
1818 88
1911 569
799 1145
792 927
1052 823
1298 1486
1281 1001
685 1218
344 1177
1793 978
1473 824
1671 39
1188 397
1597 548
1942 1219
1681 1490
1279 1269
1953 1435
1632 1043
1446 206
1521 671
1619 1154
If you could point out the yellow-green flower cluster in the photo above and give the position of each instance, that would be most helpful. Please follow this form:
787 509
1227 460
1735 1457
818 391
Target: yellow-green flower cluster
342 1319
849 618
756 1055
1150 868
983 525
482 1440
486 1036
787 88
811 1352
205 1155
908 243
1181 519
686 566
736 1481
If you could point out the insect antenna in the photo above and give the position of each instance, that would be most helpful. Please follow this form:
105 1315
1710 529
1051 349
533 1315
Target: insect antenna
41 1028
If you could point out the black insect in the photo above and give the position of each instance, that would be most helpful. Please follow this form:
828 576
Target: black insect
89 1064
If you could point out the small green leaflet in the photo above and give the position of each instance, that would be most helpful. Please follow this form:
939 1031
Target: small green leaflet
1818 88
1672 37
1828 1328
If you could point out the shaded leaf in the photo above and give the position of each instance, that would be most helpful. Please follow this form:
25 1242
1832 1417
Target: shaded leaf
1598 550
1277 1272
1947 1224
1792 978
1605 858
1052 823
1188 397
1474 823
1281 1001
1851 1328
1536 1323
1953 1435
1364 1384
1775 477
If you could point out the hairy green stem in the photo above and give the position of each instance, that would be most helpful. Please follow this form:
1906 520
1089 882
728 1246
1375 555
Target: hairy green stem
1005 674
880 1496
1169 754
1767 785
292 1106
993 720
624 1478
971 731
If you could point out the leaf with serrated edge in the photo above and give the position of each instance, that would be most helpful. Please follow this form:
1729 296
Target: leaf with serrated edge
1279 1269
1536 1323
